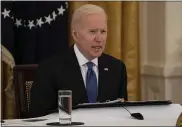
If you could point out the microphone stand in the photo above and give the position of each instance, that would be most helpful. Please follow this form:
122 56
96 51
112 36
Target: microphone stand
138 116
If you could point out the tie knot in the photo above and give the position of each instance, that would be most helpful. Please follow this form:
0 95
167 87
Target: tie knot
90 65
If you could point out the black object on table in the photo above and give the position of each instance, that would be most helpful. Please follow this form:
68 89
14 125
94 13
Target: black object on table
58 124
34 120
121 104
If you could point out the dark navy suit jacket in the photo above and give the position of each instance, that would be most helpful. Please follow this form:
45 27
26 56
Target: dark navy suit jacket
63 73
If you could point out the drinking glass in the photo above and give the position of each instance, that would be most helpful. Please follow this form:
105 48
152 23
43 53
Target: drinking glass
65 106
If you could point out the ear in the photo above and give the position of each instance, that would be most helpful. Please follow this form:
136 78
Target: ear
74 35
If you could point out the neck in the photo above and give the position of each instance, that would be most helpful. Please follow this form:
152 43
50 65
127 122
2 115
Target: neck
84 54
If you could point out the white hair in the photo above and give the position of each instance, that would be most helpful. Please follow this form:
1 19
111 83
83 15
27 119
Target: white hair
86 9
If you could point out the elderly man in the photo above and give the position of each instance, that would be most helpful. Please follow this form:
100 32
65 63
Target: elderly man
91 75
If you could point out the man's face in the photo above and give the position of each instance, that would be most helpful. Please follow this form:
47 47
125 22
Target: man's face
91 35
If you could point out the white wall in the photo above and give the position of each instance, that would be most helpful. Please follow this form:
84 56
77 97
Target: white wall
161 50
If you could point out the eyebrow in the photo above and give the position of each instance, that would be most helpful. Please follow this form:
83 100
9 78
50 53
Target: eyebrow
98 29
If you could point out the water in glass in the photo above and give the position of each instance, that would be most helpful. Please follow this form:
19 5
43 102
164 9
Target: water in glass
65 108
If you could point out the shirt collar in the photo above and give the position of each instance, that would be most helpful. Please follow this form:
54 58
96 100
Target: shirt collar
82 60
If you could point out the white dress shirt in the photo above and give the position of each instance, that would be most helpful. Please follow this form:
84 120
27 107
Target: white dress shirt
82 63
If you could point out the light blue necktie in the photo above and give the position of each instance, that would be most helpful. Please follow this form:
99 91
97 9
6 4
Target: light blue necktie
91 84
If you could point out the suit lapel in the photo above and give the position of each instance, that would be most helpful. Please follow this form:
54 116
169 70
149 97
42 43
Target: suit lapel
103 76
76 76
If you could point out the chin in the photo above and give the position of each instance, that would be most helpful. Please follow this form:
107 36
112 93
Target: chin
95 55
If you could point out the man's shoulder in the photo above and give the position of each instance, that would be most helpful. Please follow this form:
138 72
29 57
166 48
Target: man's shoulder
52 59
51 62
111 59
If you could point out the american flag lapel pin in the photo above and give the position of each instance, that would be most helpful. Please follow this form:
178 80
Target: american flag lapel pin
106 69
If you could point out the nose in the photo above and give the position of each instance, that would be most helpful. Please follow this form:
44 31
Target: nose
99 37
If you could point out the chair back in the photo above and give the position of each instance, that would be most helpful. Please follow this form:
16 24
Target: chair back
23 79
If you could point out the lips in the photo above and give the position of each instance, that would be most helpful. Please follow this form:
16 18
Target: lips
97 47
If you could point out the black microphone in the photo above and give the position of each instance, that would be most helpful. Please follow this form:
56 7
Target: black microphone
137 115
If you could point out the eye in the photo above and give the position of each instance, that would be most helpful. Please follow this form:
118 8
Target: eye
93 31
103 31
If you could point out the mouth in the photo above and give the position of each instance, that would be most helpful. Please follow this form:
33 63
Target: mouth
97 47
